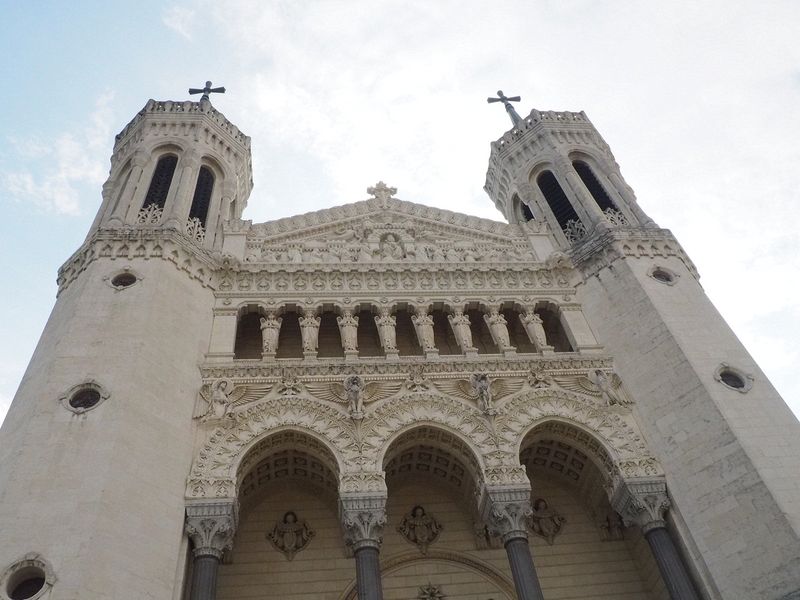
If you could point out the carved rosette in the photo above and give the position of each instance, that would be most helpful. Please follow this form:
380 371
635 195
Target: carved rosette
211 527
642 502
363 518
507 511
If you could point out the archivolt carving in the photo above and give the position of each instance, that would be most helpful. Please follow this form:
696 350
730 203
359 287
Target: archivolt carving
215 468
622 442
392 418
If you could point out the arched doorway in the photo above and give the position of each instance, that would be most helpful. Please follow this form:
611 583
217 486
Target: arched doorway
581 547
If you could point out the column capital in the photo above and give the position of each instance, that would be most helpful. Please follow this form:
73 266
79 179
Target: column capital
211 526
506 511
642 501
363 518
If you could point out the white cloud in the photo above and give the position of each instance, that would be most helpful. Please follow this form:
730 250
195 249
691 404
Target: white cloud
180 20
54 175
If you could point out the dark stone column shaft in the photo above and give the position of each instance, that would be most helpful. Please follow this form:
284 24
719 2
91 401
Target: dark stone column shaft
368 574
669 562
204 577
524 573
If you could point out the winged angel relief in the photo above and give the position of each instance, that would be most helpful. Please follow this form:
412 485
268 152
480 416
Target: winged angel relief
218 400
479 388
598 384
354 392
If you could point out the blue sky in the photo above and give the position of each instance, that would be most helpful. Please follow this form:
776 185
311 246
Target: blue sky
697 100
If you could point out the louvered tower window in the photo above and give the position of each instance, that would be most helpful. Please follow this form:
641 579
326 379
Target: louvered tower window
556 199
593 185
162 178
202 195
526 212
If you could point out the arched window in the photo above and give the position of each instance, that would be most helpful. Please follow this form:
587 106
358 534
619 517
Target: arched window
521 210
595 188
202 195
162 178
556 199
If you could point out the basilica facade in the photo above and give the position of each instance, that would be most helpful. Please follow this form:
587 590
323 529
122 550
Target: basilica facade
388 400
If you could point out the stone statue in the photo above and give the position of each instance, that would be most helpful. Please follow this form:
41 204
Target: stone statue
290 535
498 325
220 402
535 329
348 328
610 387
545 522
423 325
612 528
483 388
270 329
294 255
353 387
386 329
309 331
420 528
461 329
391 249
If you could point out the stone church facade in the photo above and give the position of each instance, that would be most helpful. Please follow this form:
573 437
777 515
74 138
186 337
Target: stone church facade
388 400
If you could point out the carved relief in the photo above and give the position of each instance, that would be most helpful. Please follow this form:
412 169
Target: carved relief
430 592
290 535
420 528
217 400
481 389
270 330
354 392
545 521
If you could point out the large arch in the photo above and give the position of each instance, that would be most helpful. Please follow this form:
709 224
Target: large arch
216 466
452 557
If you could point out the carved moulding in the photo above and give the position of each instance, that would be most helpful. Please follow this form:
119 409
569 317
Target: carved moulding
619 438
219 458
132 244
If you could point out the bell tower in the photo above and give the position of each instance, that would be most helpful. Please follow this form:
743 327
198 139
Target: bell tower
96 446
728 443
177 165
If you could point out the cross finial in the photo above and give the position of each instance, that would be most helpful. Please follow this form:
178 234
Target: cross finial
516 120
206 91
381 191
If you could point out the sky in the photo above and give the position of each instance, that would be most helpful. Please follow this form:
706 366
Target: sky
698 101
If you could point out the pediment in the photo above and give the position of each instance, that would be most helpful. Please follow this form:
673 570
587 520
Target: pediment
386 231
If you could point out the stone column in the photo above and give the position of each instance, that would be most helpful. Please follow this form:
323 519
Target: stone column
498 327
363 518
506 512
120 210
577 329
309 333
586 202
387 333
211 527
535 330
177 207
348 329
423 325
645 504
462 331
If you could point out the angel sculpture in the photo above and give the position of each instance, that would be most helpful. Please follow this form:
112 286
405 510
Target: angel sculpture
479 388
610 387
545 521
219 399
597 386
354 392
290 535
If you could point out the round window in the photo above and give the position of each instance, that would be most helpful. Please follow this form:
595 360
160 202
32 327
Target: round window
123 280
663 276
85 399
25 583
732 379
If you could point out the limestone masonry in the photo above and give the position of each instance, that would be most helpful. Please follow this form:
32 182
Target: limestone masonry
388 400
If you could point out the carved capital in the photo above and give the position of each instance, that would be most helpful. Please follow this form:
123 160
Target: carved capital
643 502
363 518
211 526
506 511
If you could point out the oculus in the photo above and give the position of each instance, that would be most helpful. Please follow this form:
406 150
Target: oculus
733 378
84 397
27 579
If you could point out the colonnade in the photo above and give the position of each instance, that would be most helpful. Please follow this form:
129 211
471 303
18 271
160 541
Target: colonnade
211 525
493 329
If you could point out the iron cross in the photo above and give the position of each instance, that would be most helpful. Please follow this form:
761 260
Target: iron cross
516 120
206 91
